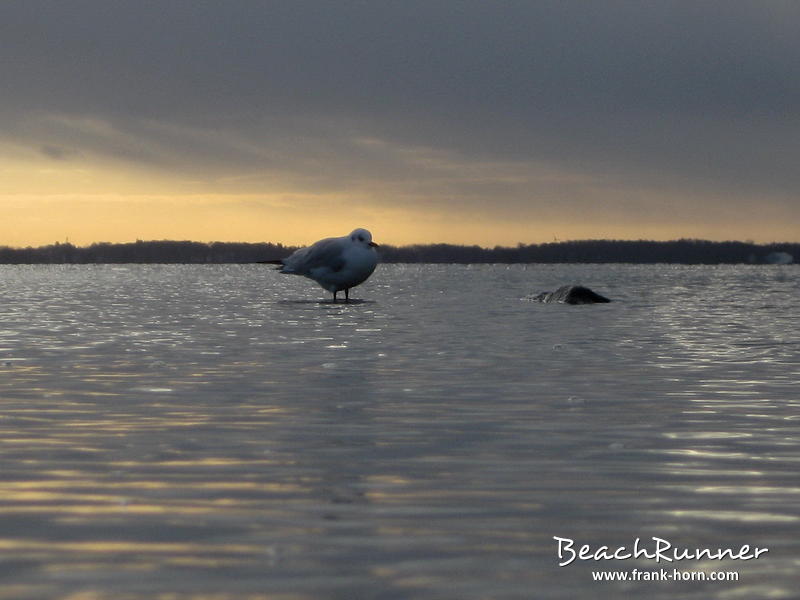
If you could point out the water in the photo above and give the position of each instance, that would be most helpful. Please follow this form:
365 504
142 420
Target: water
215 432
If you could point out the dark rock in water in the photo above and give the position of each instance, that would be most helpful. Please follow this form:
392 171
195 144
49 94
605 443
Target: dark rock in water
571 294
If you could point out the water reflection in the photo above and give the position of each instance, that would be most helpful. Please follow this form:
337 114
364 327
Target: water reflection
219 431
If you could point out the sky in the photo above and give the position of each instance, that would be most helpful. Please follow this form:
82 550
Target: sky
459 121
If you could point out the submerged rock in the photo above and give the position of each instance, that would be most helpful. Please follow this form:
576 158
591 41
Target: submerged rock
571 294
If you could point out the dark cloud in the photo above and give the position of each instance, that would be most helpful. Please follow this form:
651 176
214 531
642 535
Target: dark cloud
162 58
55 152
664 94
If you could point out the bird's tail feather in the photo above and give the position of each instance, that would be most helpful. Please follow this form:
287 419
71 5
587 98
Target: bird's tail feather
278 262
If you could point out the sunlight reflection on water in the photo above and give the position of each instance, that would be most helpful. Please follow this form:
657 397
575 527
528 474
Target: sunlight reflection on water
217 430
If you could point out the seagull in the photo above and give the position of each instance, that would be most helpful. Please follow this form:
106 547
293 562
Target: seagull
337 263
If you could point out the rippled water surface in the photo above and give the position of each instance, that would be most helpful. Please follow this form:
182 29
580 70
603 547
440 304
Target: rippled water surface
217 432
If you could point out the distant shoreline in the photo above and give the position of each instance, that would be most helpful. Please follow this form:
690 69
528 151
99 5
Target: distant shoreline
685 251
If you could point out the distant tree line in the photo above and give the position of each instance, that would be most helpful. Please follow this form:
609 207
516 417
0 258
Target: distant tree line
686 251
146 252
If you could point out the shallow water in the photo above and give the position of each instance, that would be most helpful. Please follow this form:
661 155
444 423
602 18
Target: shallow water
191 432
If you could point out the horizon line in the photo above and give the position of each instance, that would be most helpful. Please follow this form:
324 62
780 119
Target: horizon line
389 245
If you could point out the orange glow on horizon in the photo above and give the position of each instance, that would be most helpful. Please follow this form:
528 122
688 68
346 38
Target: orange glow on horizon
83 221
44 201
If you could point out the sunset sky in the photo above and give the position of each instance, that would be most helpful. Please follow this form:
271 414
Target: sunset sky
485 122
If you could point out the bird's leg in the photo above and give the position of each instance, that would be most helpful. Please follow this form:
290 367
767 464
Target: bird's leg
334 297
347 294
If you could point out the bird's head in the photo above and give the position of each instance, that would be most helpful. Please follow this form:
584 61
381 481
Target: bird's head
362 237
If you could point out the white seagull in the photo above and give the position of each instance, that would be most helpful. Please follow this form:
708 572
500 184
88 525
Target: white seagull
336 264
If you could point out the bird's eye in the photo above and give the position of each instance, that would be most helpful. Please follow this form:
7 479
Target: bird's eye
361 238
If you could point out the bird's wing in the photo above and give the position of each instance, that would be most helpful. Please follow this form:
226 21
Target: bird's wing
327 253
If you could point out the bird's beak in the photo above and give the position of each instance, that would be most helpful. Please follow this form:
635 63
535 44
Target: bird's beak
374 245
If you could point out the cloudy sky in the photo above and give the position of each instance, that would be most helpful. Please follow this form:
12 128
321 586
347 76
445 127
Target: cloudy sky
488 122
